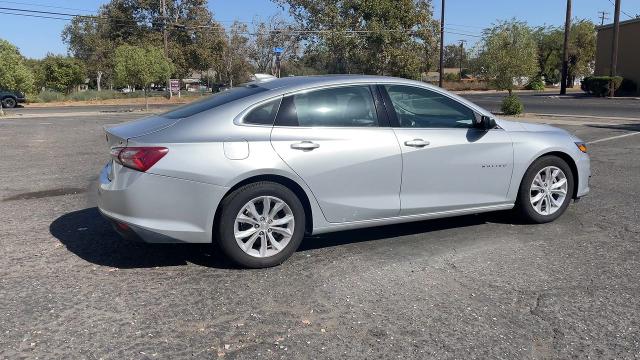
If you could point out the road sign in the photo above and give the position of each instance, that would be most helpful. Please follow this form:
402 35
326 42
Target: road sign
278 50
175 85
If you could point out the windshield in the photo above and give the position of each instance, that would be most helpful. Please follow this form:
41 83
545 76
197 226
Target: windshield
213 101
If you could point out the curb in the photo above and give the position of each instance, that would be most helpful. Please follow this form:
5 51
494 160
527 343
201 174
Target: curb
583 116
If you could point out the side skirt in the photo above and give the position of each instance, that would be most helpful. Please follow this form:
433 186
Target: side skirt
410 218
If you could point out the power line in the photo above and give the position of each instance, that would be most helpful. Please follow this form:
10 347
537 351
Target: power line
69 16
622 11
35 16
47 6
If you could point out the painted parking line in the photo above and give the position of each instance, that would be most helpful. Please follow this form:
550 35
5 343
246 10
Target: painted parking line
613 137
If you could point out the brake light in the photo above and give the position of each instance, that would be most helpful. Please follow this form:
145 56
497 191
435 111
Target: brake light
138 158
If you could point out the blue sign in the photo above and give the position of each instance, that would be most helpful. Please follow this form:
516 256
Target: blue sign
278 50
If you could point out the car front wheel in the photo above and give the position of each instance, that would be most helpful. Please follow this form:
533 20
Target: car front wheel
261 224
546 190
9 103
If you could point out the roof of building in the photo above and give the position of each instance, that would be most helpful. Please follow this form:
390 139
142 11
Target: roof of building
622 23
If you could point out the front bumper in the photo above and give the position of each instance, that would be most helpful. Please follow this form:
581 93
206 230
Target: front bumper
584 174
156 208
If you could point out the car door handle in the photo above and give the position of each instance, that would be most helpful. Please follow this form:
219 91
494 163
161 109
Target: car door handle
305 146
416 143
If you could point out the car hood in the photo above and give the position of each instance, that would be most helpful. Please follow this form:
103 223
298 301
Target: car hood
524 126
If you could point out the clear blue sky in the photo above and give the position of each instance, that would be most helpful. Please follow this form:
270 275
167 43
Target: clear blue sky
35 37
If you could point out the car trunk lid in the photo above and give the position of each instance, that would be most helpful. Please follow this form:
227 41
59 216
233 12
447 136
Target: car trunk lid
118 135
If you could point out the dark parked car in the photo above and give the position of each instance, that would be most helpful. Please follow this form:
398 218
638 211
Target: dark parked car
10 99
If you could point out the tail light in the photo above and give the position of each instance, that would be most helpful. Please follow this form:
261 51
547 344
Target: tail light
138 158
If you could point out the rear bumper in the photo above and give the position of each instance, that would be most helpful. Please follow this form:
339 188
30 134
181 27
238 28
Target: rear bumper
156 208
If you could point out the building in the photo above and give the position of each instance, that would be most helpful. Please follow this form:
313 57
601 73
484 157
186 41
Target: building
628 50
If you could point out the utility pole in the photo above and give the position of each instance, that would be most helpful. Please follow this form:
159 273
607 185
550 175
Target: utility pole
565 51
603 17
441 45
461 55
165 35
614 47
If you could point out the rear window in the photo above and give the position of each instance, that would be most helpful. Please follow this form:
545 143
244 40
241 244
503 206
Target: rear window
264 114
213 101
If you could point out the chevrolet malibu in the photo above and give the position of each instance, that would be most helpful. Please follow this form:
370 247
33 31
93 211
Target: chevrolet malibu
257 167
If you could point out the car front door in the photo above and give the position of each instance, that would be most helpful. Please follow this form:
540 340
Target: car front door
448 164
333 139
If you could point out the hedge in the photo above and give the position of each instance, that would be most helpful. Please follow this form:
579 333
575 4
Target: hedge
599 85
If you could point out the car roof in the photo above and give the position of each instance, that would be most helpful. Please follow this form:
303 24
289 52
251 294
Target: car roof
301 82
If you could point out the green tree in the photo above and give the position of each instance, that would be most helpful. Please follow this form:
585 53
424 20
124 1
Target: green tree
387 37
195 39
15 75
453 55
582 49
61 73
270 34
86 40
235 67
140 67
510 53
549 41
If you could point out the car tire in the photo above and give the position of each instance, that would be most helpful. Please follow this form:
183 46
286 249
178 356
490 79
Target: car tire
236 206
552 202
9 102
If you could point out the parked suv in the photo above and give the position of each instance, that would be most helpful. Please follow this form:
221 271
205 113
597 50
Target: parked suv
10 99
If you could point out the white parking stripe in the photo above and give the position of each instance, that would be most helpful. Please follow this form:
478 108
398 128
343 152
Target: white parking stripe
613 137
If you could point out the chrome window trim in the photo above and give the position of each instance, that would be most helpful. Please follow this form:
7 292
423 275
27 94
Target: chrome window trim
239 119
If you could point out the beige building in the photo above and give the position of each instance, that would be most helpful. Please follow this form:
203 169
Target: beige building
628 50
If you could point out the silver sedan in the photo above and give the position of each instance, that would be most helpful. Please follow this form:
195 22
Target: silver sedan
257 167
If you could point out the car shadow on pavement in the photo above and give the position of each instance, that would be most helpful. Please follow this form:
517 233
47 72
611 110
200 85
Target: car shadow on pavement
88 235
626 127
404 229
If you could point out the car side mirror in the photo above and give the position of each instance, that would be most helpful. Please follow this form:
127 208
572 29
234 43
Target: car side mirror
484 122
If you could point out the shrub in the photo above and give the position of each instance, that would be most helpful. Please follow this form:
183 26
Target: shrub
599 85
627 87
451 77
536 84
511 105
46 96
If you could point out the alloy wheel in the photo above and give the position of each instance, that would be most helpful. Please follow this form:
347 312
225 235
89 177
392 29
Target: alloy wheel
548 190
264 226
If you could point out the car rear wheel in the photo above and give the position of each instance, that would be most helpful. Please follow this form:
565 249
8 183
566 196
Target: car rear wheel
261 224
546 190
9 102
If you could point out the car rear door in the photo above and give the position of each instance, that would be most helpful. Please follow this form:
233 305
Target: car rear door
335 140
447 163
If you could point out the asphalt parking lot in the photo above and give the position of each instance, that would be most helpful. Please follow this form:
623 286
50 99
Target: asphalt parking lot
468 287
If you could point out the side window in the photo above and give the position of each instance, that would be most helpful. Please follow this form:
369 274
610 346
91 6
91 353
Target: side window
348 106
263 114
421 108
